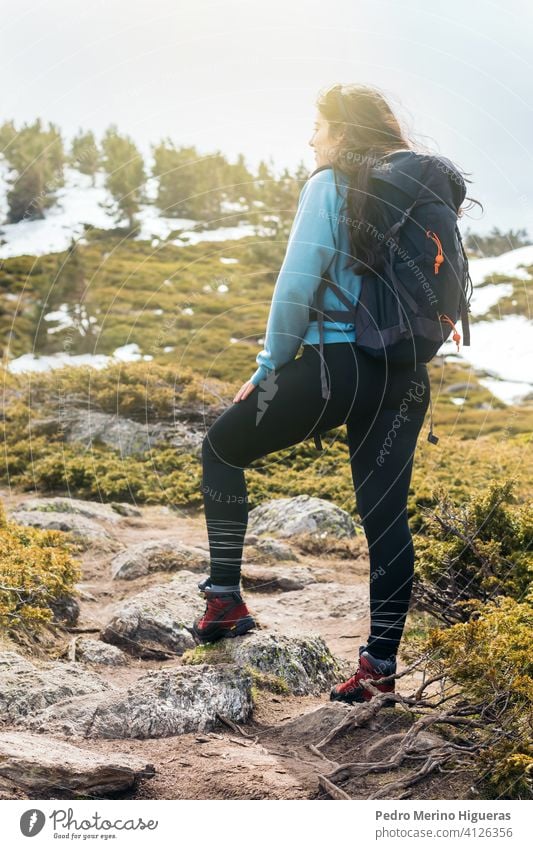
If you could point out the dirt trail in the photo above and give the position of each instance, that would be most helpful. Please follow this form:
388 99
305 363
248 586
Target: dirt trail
271 758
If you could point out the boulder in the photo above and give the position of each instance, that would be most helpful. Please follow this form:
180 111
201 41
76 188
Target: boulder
97 652
303 514
313 726
266 579
83 530
26 688
125 509
127 436
269 548
167 555
156 623
66 609
89 509
301 665
42 765
159 704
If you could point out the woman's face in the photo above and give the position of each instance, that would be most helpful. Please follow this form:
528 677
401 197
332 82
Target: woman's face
323 140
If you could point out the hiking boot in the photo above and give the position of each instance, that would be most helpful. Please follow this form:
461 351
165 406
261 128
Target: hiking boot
226 615
370 668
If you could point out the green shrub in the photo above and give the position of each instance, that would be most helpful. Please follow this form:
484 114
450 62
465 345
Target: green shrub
489 658
473 551
36 569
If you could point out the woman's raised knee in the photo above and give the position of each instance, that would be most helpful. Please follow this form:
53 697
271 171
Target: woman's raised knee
214 451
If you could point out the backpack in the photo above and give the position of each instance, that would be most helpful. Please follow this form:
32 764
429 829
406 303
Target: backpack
408 308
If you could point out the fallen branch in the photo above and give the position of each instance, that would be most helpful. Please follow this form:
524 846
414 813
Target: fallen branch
230 724
331 789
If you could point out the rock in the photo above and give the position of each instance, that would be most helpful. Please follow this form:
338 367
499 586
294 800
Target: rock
165 555
95 651
303 514
315 604
83 530
185 438
300 665
42 765
155 623
127 436
79 506
159 704
26 688
124 509
66 609
271 578
313 726
272 549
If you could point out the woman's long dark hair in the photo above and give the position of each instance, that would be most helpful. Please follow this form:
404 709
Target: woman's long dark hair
370 130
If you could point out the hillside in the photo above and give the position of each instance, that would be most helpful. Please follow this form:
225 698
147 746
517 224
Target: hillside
118 353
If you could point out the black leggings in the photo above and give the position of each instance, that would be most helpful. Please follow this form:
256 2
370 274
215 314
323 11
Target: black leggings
383 407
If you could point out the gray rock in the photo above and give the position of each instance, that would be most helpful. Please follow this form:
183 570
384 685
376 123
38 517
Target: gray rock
95 651
302 664
165 555
26 688
40 764
275 578
274 549
83 530
128 436
79 506
155 623
66 609
313 726
303 514
315 604
124 509
159 704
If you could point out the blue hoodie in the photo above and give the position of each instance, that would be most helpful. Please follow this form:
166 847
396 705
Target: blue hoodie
319 240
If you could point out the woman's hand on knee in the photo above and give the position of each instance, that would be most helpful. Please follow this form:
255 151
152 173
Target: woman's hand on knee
245 390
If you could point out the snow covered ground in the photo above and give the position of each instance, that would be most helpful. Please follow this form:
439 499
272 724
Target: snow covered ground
36 362
501 347
80 202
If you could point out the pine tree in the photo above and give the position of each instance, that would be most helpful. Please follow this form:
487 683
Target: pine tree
126 176
37 156
84 154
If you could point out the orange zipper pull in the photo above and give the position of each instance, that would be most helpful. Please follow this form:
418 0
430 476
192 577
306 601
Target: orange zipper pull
456 335
439 259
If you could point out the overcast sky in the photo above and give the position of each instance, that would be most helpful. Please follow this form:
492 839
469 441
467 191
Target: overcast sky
242 76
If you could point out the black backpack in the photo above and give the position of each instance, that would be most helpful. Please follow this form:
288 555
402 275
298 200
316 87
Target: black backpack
408 308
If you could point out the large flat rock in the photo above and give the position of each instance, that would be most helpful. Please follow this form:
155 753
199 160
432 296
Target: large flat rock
156 622
164 555
80 506
159 704
40 764
85 531
304 514
27 688
301 665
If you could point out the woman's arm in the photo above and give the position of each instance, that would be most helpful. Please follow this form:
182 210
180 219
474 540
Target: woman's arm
310 249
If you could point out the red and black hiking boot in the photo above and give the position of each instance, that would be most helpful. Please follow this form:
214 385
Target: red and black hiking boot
370 668
226 615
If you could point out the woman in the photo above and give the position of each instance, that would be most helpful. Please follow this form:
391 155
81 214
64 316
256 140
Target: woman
282 403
